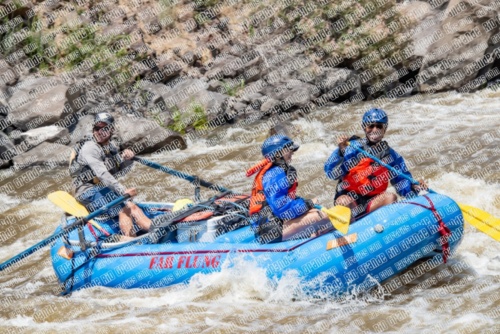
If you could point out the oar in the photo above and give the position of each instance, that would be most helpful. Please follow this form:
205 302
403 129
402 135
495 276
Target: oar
478 218
193 179
159 227
70 205
339 216
59 234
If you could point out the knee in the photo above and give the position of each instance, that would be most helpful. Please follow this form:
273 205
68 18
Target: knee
126 211
391 198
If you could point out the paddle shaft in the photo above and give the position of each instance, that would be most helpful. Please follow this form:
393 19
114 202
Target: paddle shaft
409 178
193 179
59 234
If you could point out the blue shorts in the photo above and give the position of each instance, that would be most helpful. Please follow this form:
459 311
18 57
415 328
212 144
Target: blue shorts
95 198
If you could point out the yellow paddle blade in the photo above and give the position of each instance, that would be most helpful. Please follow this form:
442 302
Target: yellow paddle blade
481 220
340 216
181 204
70 205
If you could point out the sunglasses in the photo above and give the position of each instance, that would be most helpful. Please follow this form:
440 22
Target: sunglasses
376 125
99 128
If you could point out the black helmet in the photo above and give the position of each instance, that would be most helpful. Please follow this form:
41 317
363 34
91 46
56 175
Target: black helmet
104 117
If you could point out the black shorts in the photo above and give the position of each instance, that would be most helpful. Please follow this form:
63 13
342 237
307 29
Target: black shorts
363 203
269 230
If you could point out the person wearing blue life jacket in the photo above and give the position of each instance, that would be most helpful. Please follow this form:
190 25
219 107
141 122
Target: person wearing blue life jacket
278 214
362 181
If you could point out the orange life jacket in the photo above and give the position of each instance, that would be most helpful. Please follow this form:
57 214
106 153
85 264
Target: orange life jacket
258 197
367 178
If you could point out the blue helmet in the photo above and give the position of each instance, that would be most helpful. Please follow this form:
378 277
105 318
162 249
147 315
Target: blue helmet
274 146
374 115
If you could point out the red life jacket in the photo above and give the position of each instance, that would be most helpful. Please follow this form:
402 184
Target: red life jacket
258 197
367 178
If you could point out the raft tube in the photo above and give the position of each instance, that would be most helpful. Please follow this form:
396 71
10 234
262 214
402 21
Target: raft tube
376 248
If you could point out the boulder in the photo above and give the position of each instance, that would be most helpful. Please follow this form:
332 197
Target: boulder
48 134
8 76
145 136
328 78
48 107
222 67
5 145
169 68
75 96
82 129
45 154
182 90
462 50
268 104
4 96
210 102
292 93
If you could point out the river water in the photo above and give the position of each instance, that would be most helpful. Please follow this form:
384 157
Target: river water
451 140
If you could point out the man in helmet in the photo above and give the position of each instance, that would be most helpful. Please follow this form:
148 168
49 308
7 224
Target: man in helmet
93 166
278 214
363 182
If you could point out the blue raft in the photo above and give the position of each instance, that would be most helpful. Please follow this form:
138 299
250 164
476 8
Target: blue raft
377 247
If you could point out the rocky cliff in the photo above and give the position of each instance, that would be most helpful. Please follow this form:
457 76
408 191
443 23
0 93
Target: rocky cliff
170 68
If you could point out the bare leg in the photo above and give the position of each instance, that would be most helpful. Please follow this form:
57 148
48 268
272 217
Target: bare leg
382 200
140 218
346 200
126 223
308 225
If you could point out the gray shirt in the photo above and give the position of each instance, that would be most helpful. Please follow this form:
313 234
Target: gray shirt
104 165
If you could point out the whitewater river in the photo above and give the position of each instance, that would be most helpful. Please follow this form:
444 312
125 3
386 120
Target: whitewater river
450 139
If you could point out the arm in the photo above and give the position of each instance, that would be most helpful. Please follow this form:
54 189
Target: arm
281 204
90 154
403 186
339 163
125 158
332 166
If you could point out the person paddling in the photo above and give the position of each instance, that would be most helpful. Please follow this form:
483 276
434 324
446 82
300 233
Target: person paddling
95 162
363 182
277 213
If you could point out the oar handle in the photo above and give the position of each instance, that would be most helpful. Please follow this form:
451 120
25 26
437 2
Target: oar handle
181 175
59 234
409 178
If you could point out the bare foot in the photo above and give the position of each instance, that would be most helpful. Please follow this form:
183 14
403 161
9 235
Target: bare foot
126 238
